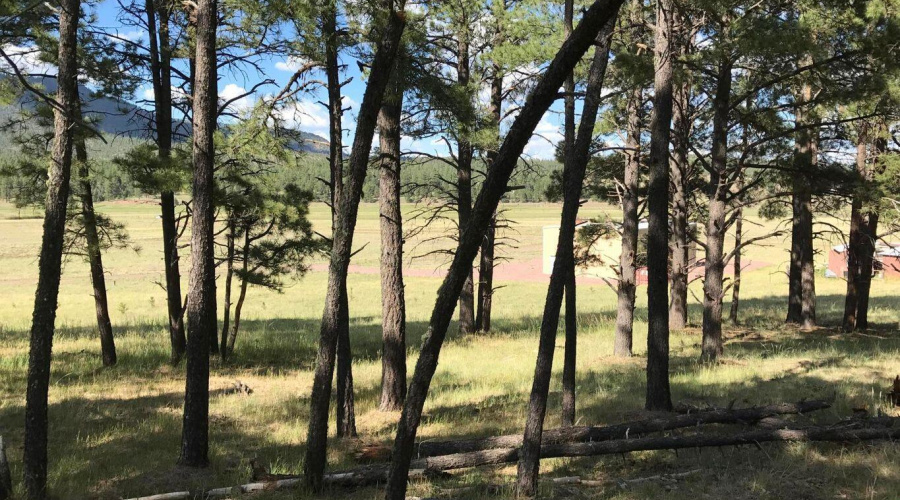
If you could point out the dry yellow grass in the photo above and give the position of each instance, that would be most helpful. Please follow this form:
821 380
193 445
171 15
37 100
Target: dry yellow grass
115 432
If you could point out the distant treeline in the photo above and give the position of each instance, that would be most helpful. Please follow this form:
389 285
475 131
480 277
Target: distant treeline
422 179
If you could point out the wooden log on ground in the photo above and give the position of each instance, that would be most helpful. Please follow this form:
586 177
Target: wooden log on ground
884 428
622 431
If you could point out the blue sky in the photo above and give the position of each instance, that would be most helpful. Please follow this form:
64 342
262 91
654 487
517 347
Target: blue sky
308 114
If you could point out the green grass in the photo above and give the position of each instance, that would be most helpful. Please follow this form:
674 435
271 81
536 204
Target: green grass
116 432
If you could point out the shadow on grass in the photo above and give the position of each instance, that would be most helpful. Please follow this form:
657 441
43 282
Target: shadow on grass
128 445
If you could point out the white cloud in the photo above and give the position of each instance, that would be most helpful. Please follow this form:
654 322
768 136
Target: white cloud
291 64
26 60
543 143
306 115
233 91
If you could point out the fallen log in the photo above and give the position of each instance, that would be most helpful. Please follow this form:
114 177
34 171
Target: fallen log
614 447
625 430
884 428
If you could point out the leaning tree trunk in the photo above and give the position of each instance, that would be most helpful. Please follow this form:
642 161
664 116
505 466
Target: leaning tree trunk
563 265
680 242
495 184
658 396
34 459
161 73
627 258
719 188
393 300
201 309
94 255
342 241
464 185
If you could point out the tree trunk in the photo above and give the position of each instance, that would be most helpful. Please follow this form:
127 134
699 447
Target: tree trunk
201 309
570 355
658 396
736 284
393 300
869 237
236 324
345 408
486 277
680 241
229 277
50 260
94 254
342 241
160 69
464 183
486 265
563 265
495 184
854 244
6 488
627 267
802 291
177 338
719 189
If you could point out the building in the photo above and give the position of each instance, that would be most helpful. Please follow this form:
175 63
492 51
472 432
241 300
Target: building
887 261
601 260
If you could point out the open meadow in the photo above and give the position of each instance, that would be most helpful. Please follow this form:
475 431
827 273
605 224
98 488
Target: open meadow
115 432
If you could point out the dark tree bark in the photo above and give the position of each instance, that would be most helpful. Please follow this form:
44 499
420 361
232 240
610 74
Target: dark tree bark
464 181
161 69
563 265
627 268
680 166
229 277
94 254
736 286
342 241
716 226
236 324
393 300
570 356
495 184
854 244
201 308
486 276
486 265
50 260
868 237
345 408
658 396
802 275
345 413
6 488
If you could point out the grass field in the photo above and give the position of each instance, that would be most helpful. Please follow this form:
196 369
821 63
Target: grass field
115 432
